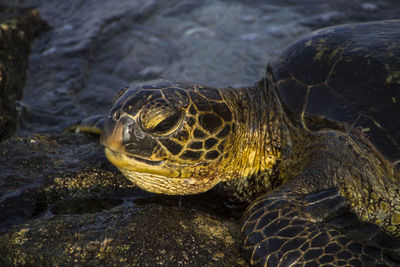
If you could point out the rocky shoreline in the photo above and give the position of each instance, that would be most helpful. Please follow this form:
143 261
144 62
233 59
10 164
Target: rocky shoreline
61 202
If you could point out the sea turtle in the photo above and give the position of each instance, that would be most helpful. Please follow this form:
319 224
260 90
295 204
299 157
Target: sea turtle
320 133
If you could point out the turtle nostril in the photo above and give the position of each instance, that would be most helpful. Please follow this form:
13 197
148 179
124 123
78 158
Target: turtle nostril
115 115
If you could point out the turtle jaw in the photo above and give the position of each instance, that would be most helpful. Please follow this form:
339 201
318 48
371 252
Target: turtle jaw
136 164
156 176
112 138
153 177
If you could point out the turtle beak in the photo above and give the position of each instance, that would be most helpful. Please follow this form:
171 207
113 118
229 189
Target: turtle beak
112 134
124 136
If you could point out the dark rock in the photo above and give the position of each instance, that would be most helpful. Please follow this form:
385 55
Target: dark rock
126 236
43 170
62 203
17 32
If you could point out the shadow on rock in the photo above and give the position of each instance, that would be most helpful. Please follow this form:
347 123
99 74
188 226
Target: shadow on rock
63 203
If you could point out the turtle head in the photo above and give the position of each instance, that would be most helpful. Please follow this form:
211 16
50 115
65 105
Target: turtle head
172 138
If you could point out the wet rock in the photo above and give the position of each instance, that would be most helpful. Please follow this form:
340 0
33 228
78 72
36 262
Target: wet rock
39 170
63 203
18 27
126 236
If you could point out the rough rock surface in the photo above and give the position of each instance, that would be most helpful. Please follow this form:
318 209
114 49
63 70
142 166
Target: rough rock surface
125 236
63 203
18 27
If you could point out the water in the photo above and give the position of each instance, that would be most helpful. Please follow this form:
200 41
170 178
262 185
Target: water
97 46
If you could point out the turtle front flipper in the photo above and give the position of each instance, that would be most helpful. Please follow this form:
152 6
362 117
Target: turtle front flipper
93 124
289 229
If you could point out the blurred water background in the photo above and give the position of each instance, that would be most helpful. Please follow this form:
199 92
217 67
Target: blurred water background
94 47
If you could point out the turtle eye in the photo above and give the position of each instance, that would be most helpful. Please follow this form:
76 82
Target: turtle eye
160 119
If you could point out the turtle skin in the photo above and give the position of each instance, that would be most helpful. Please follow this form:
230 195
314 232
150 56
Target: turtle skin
320 134
340 79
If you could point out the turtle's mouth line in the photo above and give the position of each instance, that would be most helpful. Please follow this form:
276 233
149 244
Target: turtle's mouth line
133 164
119 155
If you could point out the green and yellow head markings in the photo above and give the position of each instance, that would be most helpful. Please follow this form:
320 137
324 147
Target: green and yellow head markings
178 138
